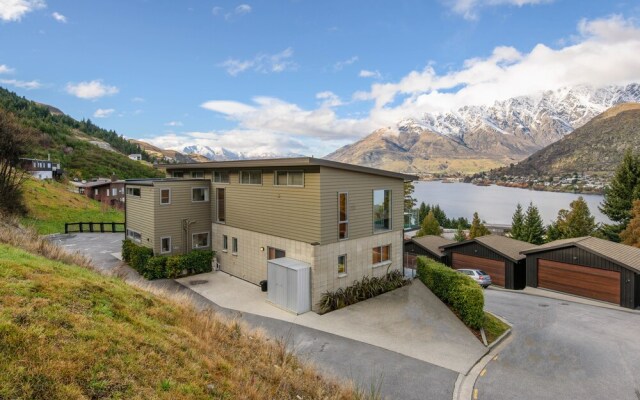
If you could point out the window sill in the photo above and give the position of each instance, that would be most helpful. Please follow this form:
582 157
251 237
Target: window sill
381 264
342 275
224 251
234 254
378 232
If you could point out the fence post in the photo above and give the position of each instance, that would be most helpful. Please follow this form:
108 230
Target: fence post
113 227
66 228
90 226
81 227
101 227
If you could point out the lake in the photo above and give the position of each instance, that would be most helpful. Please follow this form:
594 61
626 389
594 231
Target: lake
496 204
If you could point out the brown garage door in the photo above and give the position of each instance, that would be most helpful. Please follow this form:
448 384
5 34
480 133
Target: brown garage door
594 283
494 268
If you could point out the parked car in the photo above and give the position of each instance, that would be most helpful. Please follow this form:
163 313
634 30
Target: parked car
478 275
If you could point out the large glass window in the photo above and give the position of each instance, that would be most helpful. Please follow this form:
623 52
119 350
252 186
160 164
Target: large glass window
342 264
251 177
199 194
381 254
289 178
343 216
165 245
221 213
221 176
234 245
133 191
165 196
133 235
381 210
200 240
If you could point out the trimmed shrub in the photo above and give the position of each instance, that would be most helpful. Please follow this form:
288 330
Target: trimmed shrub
155 268
149 266
363 289
198 261
459 291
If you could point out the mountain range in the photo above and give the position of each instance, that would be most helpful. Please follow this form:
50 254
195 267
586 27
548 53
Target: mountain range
222 154
474 138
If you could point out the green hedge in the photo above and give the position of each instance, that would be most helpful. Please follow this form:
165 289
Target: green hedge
459 291
149 266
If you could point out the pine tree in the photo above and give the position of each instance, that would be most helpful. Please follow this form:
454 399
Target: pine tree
460 236
517 223
579 221
430 226
477 228
620 194
422 212
409 200
533 229
631 234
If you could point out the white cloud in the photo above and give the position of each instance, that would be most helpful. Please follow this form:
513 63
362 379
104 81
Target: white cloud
216 10
5 70
341 64
14 10
29 85
91 90
365 73
239 11
264 63
59 17
329 99
137 100
469 8
173 123
243 9
103 112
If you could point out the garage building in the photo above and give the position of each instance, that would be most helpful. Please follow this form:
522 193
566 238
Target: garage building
499 256
587 267
428 246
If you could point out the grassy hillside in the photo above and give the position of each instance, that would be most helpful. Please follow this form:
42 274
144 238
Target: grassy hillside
51 204
68 141
67 332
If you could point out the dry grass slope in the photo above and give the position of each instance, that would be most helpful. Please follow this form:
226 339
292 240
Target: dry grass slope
67 332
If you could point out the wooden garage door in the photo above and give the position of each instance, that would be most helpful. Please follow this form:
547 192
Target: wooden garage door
589 282
494 268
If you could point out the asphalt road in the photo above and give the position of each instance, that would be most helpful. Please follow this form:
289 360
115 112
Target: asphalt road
562 350
396 375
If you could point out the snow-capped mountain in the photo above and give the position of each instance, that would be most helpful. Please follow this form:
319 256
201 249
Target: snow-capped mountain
479 137
223 154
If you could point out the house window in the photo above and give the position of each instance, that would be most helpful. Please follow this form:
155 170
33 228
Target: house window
273 253
114 191
133 191
289 178
251 177
234 245
343 216
220 206
200 240
165 245
165 196
95 192
197 174
199 194
225 243
381 254
178 174
342 265
133 235
381 210
221 176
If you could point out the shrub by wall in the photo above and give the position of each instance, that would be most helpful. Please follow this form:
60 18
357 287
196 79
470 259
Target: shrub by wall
459 291
149 266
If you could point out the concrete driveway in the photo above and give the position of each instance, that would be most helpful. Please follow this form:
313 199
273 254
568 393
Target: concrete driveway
399 376
563 350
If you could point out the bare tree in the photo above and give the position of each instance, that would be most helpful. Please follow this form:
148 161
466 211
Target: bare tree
14 142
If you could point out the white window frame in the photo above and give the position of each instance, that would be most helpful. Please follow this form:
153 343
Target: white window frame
345 272
163 251
201 173
114 192
373 223
193 242
130 191
346 214
96 191
242 172
206 194
162 190
234 246
219 175
131 234
288 184
173 174
225 243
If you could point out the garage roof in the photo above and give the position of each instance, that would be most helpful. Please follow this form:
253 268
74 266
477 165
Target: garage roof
615 252
432 243
507 247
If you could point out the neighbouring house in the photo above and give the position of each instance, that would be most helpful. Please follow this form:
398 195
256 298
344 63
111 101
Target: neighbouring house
135 157
338 221
428 246
41 169
499 256
587 267
107 191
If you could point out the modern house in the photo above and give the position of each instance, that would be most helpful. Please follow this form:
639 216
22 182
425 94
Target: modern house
499 256
344 221
107 191
41 169
135 157
588 267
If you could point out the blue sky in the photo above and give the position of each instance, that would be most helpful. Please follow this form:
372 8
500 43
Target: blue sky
302 76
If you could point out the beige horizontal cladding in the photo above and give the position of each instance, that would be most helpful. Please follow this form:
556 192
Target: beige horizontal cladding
359 188
140 214
250 261
359 252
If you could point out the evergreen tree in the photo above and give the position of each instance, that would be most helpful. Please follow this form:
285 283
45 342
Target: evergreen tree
631 234
517 223
439 214
579 221
620 194
477 227
422 212
533 229
430 226
409 200
460 236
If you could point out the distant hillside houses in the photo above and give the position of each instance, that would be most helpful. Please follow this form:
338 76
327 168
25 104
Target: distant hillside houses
41 169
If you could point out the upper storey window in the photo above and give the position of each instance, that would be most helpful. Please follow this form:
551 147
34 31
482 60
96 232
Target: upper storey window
381 210
252 177
289 178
